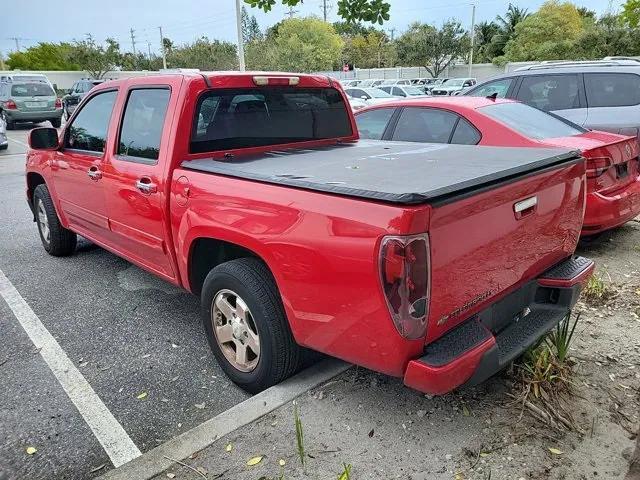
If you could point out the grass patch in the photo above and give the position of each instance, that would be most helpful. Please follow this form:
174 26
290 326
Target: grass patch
596 292
299 434
545 374
346 472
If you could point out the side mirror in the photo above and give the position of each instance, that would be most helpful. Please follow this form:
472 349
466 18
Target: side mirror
45 138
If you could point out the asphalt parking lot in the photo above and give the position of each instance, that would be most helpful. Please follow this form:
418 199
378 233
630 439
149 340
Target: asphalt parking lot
136 340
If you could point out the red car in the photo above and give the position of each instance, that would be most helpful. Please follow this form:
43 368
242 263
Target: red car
252 191
613 166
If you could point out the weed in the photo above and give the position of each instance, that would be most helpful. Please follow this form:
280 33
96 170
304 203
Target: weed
596 292
346 472
299 433
545 376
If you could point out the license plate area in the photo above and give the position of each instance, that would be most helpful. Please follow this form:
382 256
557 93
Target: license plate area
35 104
622 170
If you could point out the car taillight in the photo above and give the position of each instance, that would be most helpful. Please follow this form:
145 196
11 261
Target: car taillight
275 81
58 103
10 105
405 272
596 166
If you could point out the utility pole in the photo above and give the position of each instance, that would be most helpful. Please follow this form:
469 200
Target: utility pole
17 40
473 35
240 40
133 41
291 12
149 48
164 54
392 31
326 8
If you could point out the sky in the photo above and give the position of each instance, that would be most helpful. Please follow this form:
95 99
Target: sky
185 20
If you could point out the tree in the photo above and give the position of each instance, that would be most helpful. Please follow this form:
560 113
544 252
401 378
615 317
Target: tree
347 29
44 56
548 34
97 59
608 37
373 11
485 31
371 50
431 47
204 54
506 30
307 45
250 28
631 12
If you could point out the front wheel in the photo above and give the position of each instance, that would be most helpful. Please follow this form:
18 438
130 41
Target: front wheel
246 326
56 240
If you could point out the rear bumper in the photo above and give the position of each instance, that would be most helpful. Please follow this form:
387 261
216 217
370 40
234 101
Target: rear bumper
604 212
18 116
489 341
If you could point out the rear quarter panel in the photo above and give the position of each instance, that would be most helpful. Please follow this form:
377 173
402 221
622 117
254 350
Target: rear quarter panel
323 252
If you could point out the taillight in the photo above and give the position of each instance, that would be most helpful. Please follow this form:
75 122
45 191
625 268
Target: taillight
10 105
405 272
58 103
596 166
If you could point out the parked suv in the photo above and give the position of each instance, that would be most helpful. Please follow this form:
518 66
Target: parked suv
31 101
453 85
76 94
601 95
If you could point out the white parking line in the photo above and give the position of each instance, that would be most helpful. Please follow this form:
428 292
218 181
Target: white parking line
17 141
113 438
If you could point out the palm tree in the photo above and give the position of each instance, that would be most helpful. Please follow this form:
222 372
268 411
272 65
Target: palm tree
507 28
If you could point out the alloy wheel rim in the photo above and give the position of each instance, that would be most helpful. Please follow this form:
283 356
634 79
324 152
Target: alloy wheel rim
235 330
43 222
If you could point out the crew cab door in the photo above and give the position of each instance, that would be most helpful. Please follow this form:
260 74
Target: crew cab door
78 168
135 186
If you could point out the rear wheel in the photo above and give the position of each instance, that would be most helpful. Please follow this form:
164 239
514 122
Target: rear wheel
246 326
10 125
56 240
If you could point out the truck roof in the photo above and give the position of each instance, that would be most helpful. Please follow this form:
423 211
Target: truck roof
395 172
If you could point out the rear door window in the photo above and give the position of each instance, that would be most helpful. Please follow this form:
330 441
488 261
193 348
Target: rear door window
142 123
497 87
429 125
612 89
89 128
373 123
465 133
256 117
550 92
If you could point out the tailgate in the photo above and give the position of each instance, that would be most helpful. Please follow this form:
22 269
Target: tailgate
485 245
613 166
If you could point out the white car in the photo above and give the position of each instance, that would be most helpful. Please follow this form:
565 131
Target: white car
396 81
4 143
453 85
356 103
370 82
404 91
349 83
371 96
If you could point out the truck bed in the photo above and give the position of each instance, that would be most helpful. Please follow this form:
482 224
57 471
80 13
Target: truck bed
396 172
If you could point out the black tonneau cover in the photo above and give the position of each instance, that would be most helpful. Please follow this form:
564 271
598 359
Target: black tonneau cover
396 172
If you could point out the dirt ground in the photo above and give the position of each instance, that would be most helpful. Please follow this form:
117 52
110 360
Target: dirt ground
385 430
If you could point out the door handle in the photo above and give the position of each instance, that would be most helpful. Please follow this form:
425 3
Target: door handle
145 185
525 207
94 173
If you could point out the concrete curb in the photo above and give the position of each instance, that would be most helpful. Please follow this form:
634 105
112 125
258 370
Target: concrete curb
155 462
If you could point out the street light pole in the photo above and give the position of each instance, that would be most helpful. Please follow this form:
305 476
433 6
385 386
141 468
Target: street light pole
473 35
162 49
240 42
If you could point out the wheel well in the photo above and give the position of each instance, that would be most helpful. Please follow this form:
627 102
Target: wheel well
206 254
33 180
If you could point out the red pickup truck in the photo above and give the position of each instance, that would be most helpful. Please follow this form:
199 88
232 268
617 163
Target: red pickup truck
436 263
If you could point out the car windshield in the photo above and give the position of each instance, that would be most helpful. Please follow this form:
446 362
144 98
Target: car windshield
454 82
413 91
530 121
31 90
377 93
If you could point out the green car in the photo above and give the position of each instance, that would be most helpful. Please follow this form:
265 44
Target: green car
29 101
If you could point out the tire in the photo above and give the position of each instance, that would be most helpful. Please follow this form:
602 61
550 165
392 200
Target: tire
59 242
4 147
279 355
56 122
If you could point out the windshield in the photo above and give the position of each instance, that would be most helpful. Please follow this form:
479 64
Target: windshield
454 82
377 93
530 121
413 91
31 90
227 119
